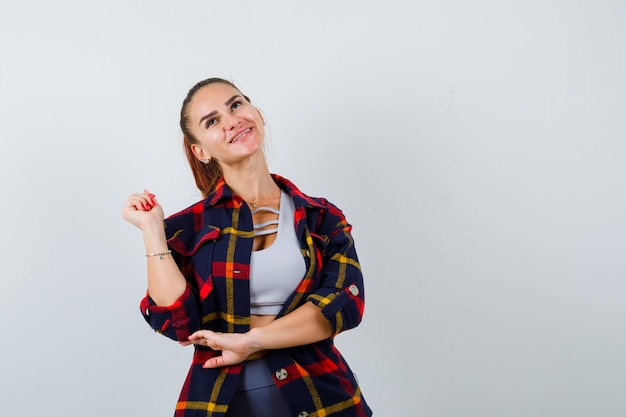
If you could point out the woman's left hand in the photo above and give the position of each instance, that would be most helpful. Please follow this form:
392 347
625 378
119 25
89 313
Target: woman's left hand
233 346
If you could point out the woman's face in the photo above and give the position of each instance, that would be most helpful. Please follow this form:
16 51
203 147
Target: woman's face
227 127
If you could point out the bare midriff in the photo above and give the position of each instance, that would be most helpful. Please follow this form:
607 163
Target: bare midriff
259 321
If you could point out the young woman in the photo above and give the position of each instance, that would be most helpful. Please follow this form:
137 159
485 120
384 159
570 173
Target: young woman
258 276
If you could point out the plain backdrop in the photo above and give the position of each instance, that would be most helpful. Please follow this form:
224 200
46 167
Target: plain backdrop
477 147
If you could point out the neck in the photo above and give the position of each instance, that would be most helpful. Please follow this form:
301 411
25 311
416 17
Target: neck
251 182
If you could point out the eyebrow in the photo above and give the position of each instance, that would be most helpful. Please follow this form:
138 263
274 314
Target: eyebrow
213 113
230 100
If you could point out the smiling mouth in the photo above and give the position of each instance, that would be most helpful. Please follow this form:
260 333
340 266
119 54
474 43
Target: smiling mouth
239 136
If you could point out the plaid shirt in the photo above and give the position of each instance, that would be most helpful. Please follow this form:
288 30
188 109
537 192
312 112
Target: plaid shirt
211 242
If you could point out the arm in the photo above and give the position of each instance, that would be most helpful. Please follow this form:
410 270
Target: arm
340 295
165 281
303 326
169 305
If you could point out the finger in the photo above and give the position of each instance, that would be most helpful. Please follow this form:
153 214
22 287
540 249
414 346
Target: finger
195 335
153 203
203 342
151 197
148 201
142 201
200 334
138 202
216 362
142 205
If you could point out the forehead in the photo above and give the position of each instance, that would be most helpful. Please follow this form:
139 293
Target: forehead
212 97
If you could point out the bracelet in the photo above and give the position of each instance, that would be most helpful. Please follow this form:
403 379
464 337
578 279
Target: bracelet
159 254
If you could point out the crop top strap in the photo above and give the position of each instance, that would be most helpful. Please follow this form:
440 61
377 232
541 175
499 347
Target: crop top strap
259 228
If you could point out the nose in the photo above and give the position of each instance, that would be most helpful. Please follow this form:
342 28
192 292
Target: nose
231 122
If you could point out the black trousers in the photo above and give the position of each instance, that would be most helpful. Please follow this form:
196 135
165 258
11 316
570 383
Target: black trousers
257 395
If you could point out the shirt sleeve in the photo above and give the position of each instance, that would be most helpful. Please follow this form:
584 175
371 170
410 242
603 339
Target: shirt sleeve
184 238
176 321
341 293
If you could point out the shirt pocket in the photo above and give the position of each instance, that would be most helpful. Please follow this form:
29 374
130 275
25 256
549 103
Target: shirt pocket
195 250
188 242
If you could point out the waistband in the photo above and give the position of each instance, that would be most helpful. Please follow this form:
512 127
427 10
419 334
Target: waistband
255 374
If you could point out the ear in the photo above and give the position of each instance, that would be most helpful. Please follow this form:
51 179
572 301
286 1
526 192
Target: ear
199 153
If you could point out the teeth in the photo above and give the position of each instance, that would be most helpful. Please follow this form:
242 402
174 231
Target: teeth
239 136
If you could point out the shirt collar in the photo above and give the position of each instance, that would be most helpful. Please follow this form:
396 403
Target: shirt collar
222 192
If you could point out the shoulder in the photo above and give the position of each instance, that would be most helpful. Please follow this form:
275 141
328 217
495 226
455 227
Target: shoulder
301 199
186 215
318 211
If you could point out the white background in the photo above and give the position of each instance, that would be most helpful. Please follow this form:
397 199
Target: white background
478 148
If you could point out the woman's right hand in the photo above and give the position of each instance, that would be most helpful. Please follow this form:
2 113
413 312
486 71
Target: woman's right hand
143 211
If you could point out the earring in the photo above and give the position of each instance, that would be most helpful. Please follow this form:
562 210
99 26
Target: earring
207 160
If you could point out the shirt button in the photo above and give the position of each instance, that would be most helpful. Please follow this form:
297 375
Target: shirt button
281 374
303 414
354 290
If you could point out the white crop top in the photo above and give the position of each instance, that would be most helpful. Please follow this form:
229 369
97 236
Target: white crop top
276 271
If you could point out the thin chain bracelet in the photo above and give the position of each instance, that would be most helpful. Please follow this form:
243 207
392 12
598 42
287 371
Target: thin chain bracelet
159 254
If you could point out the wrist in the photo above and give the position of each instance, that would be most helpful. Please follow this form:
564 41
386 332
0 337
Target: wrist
153 228
253 340
154 239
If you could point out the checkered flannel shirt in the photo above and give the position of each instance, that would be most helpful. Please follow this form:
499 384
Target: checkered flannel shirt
211 241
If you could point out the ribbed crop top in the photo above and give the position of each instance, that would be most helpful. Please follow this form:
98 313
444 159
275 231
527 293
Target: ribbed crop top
276 270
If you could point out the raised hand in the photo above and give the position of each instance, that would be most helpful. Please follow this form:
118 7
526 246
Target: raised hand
143 210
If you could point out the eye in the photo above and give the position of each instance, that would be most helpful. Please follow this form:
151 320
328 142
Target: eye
210 123
235 105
